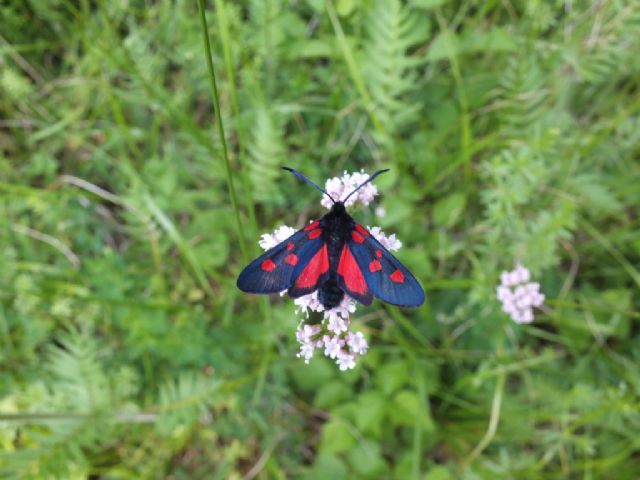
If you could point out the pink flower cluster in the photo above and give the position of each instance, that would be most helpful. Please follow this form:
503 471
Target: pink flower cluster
332 336
340 187
518 295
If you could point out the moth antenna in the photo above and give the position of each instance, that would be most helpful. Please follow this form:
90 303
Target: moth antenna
305 179
365 182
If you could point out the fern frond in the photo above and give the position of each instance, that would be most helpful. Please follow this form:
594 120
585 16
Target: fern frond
182 401
517 179
77 398
77 374
268 32
522 92
267 153
613 41
390 72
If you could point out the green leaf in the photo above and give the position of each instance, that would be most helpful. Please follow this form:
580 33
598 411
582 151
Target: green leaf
370 413
332 393
313 375
345 7
397 211
391 376
366 459
444 116
446 44
439 472
327 466
336 436
496 39
428 4
312 48
408 409
448 210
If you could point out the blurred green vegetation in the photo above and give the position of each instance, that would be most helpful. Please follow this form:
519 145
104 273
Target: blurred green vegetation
512 133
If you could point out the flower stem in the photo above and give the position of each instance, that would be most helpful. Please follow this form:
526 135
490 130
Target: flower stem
496 406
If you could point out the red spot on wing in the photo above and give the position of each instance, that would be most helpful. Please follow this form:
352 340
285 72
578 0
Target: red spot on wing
314 233
362 230
268 265
311 226
350 271
397 276
318 265
379 253
290 246
291 259
375 266
357 237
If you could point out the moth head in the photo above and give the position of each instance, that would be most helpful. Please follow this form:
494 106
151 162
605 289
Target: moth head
335 202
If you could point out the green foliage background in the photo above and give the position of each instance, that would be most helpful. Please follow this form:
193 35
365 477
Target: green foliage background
512 132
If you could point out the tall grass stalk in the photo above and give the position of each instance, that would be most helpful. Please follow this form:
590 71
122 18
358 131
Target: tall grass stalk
264 303
223 26
225 153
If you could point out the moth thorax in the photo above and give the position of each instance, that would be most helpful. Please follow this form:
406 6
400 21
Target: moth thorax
330 294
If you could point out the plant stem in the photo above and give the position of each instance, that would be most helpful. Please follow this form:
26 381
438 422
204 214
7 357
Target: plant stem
225 41
496 406
264 304
494 419
466 137
216 103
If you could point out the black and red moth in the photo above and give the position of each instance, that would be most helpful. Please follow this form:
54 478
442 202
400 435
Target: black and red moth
334 255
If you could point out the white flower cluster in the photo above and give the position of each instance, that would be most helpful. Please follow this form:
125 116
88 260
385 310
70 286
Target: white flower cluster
389 242
332 335
270 240
340 187
518 295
